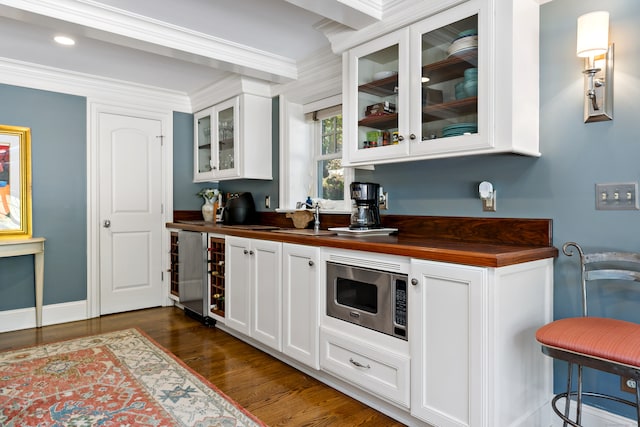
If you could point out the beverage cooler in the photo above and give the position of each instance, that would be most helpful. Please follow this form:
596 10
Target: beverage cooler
192 273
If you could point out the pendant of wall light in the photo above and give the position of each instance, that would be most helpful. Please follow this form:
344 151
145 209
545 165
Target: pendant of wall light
593 45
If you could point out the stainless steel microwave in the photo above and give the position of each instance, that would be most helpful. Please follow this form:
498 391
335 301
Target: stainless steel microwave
367 297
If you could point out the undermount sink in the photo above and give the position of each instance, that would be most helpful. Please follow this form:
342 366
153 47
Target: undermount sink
305 231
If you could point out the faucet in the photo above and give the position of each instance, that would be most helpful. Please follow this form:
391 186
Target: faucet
316 217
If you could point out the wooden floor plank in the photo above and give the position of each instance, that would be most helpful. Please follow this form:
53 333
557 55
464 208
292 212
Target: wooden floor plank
276 393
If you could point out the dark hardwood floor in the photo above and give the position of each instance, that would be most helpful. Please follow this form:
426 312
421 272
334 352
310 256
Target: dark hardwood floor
274 392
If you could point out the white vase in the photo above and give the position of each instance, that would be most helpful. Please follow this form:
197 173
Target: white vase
208 210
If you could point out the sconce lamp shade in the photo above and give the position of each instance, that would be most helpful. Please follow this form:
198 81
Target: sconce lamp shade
593 34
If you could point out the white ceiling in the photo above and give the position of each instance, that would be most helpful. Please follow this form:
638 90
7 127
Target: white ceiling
181 45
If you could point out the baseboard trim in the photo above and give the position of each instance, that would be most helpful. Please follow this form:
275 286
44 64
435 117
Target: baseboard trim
594 417
25 318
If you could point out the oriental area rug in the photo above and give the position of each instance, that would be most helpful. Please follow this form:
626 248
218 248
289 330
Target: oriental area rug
115 379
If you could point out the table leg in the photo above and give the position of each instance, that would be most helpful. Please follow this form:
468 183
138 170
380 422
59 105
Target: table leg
39 281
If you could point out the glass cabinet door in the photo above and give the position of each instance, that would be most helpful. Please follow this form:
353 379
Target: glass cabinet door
449 80
226 140
203 144
378 111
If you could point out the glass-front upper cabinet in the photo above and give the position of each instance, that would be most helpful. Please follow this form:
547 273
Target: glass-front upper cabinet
421 91
216 146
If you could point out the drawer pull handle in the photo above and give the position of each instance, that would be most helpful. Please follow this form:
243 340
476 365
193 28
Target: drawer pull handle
358 364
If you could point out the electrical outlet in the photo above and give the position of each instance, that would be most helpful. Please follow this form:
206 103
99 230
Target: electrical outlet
628 384
617 196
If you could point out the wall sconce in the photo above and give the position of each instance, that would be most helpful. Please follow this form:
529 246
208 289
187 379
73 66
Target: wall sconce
593 45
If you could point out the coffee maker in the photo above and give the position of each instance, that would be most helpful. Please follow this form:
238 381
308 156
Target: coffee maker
366 212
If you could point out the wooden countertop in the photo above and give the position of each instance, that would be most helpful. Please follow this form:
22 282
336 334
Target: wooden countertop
467 252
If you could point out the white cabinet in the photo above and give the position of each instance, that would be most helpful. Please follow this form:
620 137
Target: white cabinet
233 140
300 282
254 289
474 358
462 81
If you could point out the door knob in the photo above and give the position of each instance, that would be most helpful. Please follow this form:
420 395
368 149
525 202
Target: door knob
106 223
414 282
412 136
310 263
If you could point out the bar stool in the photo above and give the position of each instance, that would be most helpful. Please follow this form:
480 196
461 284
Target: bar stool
601 343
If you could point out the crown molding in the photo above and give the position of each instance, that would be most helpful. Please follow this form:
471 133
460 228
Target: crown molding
118 26
397 14
227 88
320 77
18 73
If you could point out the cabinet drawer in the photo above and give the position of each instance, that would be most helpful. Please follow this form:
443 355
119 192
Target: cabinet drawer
378 370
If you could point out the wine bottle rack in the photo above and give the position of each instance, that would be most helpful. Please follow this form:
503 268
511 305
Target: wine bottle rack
216 275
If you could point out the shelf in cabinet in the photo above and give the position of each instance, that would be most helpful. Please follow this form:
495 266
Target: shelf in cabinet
385 121
451 109
383 87
450 68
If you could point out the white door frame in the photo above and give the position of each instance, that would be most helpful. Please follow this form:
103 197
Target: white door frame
93 193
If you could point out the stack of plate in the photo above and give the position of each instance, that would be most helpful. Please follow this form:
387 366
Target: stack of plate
466 40
459 129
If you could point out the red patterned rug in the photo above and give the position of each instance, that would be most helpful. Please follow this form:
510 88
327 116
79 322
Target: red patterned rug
116 379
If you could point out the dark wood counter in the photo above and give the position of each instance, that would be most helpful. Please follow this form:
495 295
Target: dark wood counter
483 242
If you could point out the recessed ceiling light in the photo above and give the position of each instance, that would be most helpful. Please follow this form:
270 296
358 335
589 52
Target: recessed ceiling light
64 40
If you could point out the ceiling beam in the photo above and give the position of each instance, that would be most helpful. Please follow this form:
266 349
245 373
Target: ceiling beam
355 14
127 29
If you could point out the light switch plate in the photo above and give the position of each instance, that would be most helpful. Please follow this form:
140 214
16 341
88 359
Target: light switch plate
617 196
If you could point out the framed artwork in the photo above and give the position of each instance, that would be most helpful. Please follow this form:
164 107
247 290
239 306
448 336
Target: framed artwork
15 182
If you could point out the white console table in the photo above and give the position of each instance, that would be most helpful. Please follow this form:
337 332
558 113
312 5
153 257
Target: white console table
30 246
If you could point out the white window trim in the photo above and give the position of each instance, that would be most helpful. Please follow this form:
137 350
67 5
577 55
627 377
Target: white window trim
343 205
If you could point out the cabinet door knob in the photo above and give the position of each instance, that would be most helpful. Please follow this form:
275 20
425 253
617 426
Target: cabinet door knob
250 252
414 282
106 223
310 263
245 252
412 136
400 137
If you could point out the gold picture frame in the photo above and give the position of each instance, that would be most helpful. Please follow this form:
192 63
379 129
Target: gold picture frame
15 182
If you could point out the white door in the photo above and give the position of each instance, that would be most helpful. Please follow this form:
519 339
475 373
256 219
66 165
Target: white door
130 213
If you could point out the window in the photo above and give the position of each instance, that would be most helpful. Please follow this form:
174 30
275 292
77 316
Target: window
331 179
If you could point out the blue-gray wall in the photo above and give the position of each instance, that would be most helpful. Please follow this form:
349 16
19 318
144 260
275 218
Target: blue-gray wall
58 158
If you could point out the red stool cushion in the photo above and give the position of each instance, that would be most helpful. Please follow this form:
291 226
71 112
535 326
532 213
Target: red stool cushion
602 338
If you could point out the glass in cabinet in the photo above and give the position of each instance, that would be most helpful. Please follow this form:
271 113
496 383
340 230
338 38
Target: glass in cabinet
203 166
449 80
